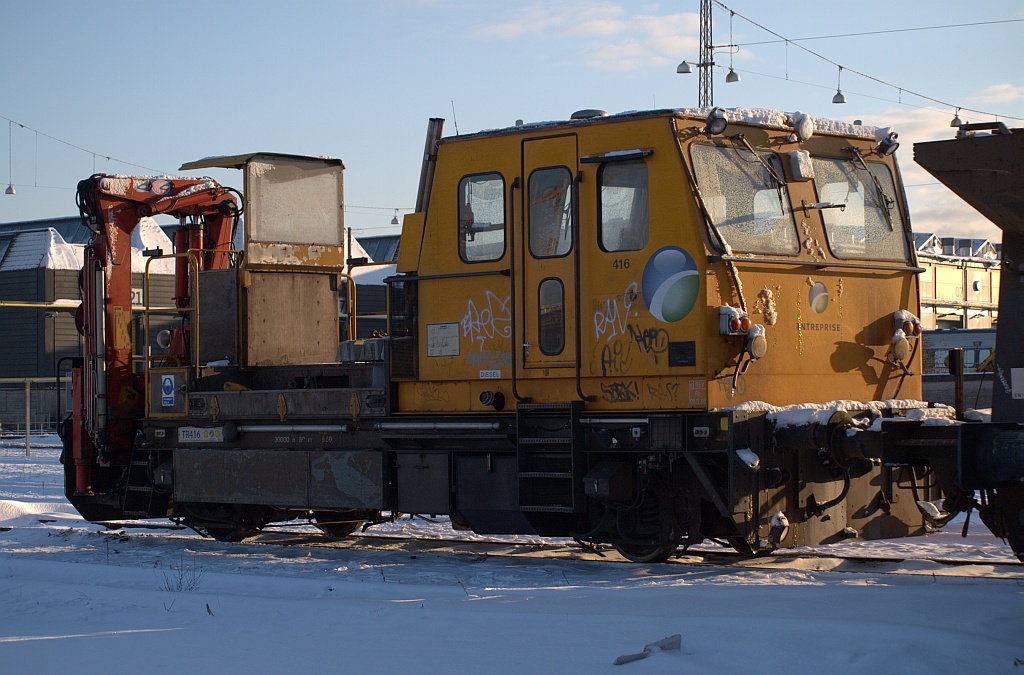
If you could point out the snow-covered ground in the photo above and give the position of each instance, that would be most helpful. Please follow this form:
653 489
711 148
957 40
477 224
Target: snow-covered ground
75 597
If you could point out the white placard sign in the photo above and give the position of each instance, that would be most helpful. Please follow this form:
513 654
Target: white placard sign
442 339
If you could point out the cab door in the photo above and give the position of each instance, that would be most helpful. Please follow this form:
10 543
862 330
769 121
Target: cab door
548 254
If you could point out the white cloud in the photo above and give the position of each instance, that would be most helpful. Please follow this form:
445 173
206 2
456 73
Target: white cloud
999 93
557 19
618 40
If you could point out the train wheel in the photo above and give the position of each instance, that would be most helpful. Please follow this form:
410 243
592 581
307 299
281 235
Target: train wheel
337 523
225 522
228 533
640 553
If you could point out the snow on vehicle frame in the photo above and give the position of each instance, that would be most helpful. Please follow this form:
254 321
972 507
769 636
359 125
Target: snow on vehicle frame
645 330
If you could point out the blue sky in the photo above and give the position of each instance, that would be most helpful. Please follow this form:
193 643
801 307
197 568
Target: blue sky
159 84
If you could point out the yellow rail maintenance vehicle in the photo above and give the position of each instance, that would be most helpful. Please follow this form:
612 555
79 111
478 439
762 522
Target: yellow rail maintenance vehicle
646 330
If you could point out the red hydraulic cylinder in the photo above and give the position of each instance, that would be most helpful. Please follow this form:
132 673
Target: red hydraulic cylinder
83 463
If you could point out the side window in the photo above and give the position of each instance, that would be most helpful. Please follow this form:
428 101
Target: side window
623 220
549 194
551 335
482 217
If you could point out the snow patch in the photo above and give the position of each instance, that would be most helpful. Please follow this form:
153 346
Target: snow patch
148 236
807 413
749 457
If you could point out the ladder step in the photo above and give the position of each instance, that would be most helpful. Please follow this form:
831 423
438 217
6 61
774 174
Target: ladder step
545 441
544 407
136 514
545 474
547 509
139 488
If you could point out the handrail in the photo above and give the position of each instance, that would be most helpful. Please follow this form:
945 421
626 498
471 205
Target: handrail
192 308
350 299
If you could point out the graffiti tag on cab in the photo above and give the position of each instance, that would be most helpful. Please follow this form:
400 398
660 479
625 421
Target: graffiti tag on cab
610 319
493 319
620 392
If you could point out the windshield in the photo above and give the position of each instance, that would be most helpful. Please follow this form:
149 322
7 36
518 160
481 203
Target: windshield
745 200
869 226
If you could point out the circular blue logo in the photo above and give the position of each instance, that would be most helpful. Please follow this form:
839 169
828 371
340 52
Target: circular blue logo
670 284
168 386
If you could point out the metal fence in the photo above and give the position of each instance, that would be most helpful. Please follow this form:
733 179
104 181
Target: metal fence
45 405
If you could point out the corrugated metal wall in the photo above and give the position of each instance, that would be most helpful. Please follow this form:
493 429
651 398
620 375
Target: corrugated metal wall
22 331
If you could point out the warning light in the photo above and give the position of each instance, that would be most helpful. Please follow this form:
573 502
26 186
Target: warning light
733 321
908 323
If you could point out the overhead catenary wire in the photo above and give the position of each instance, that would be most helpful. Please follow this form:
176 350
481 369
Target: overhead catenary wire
109 158
78 147
877 32
901 90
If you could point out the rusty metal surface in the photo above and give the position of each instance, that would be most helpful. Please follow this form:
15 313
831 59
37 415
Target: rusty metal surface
346 480
298 404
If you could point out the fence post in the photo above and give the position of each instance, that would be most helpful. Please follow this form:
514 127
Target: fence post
28 416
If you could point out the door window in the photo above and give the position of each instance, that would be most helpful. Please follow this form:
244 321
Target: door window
551 320
550 198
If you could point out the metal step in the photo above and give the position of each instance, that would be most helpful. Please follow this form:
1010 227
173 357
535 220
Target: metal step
545 441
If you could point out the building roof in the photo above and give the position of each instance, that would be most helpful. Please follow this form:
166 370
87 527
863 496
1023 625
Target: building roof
382 247
932 245
39 248
45 247
70 228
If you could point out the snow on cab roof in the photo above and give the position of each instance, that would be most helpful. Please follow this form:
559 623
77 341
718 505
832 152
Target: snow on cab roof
760 117
777 119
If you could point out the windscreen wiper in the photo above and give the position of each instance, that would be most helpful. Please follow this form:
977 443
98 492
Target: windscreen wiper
779 181
881 198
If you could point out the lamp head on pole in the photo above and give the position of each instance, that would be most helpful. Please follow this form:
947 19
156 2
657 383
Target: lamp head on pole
839 98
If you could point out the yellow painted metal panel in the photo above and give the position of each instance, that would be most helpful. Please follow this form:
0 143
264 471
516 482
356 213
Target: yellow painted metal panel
412 240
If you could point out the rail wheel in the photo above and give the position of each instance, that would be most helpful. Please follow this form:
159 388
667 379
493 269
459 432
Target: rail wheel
225 522
228 533
642 553
337 523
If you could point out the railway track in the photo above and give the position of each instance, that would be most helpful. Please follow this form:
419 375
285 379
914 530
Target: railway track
946 567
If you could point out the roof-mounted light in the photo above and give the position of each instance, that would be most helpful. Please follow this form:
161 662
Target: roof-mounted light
715 123
888 145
